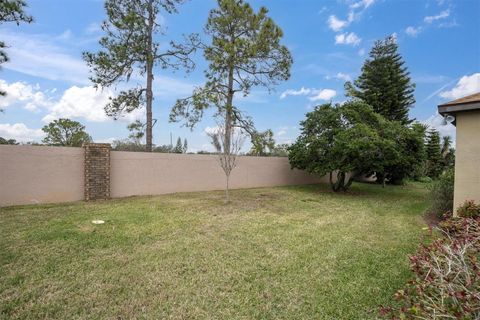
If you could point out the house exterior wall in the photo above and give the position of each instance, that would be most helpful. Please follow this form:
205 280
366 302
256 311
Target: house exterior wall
467 158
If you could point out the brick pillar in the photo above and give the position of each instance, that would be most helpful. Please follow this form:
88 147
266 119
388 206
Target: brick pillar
97 171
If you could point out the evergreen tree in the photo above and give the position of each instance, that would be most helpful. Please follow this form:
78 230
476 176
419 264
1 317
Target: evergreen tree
446 145
178 147
164 148
8 141
420 168
406 152
262 143
11 11
185 146
434 154
448 153
137 131
244 52
385 82
65 132
130 48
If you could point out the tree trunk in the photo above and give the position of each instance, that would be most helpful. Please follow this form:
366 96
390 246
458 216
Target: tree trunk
332 185
228 113
228 127
227 191
380 178
349 182
149 93
340 183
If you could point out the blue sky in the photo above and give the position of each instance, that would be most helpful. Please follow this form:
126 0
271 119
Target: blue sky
329 41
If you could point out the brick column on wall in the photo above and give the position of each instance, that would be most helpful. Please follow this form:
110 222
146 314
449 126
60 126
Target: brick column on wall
97 171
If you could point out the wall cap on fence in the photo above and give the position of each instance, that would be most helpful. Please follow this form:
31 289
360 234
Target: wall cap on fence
95 144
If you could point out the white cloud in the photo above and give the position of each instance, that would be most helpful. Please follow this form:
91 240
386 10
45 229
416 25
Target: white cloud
85 102
37 55
436 121
79 101
363 4
324 94
314 94
336 24
347 38
21 93
340 76
281 131
20 132
291 92
356 10
286 134
210 130
465 86
442 15
429 20
343 76
412 31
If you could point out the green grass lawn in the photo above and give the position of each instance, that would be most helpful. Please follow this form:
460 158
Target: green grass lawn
299 252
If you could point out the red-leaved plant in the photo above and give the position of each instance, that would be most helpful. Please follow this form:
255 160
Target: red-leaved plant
447 273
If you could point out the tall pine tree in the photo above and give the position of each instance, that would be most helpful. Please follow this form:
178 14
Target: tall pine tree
185 146
434 154
244 52
385 82
130 52
178 147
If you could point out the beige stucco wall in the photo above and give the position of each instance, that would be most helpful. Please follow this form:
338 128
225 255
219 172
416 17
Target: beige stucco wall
37 174
467 158
138 173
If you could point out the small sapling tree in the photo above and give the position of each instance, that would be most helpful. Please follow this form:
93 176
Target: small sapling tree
227 149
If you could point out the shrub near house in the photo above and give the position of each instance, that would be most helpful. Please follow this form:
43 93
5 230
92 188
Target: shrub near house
442 194
447 273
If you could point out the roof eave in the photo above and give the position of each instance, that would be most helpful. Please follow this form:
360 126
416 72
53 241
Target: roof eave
456 108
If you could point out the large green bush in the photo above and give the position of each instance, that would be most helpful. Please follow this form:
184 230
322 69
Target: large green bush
442 194
350 140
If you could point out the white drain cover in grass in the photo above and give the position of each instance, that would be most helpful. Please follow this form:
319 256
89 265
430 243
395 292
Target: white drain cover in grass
98 221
